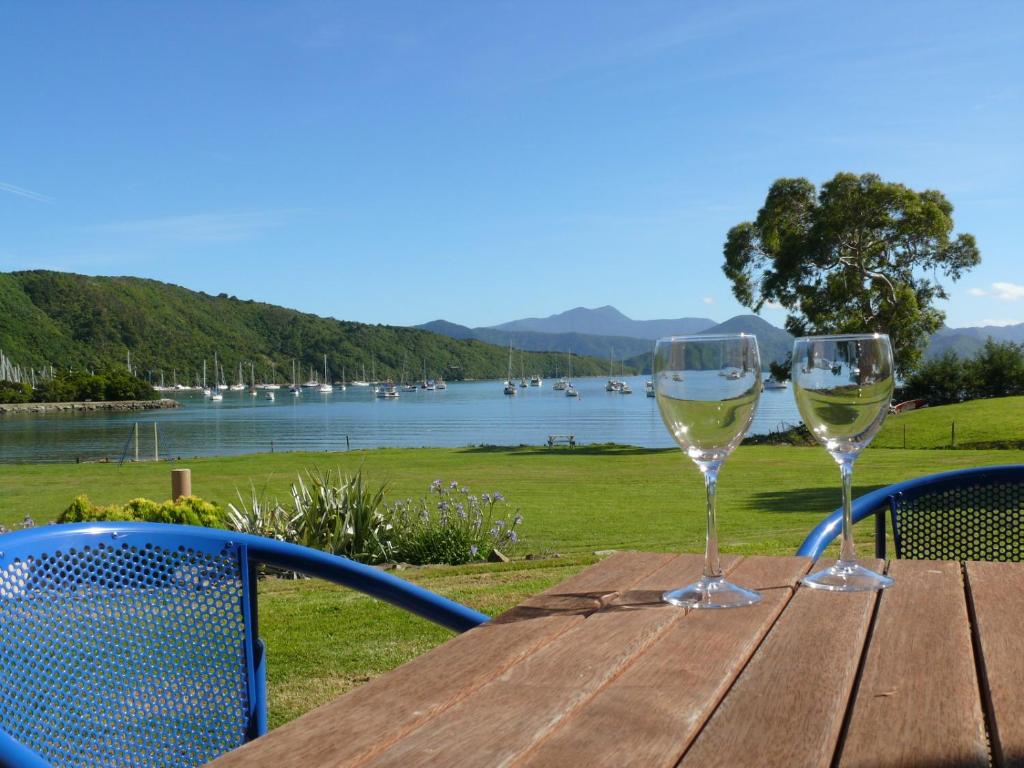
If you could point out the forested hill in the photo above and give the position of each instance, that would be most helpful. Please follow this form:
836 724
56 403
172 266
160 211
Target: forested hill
68 320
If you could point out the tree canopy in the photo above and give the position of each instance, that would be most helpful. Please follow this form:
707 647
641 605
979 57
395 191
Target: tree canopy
860 255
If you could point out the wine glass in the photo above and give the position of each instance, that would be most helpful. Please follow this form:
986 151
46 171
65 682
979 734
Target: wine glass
707 388
843 385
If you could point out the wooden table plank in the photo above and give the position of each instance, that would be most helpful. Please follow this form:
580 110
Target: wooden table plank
649 714
996 591
505 718
338 734
788 705
918 701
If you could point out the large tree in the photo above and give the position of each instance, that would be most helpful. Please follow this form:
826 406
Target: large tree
860 255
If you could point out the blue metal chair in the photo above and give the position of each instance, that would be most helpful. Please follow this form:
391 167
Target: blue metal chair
136 644
967 514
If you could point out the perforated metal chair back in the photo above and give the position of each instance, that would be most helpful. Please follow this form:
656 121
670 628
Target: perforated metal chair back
981 519
968 514
126 650
134 645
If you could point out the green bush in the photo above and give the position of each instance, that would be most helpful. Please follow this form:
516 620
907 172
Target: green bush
188 510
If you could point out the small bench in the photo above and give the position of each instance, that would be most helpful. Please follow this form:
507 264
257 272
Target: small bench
554 440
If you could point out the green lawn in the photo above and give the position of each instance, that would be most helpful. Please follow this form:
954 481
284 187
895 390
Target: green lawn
995 423
323 640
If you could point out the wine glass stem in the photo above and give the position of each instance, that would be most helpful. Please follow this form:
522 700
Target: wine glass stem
847 553
712 564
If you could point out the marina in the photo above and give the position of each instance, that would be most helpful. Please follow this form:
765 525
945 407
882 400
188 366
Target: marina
463 414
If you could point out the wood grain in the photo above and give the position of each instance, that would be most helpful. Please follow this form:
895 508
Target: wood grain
649 714
788 705
505 718
398 702
918 701
997 593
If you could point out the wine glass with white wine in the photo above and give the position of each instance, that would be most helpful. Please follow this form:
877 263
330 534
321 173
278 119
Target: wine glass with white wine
843 386
707 388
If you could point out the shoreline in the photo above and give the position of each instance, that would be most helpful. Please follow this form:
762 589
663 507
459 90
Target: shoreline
99 405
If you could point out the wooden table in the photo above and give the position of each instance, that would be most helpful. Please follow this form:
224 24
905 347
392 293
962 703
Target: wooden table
598 672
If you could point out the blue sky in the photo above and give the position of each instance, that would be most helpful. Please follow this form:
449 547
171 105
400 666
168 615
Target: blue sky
398 162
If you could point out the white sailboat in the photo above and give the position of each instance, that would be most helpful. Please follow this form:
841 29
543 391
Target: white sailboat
570 390
239 386
510 388
361 382
326 388
295 389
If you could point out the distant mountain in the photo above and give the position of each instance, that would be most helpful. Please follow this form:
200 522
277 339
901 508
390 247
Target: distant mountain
773 343
607 321
618 347
966 342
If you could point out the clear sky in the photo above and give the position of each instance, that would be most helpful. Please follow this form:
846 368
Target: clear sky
398 162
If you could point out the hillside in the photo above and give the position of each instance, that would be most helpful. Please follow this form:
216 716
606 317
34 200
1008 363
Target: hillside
992 423
967 342
69 320
618 347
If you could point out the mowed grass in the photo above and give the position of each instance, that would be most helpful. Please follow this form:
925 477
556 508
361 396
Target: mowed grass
995 423
323 640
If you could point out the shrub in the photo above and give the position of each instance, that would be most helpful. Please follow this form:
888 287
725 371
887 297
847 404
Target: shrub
187 510
454 527
336 513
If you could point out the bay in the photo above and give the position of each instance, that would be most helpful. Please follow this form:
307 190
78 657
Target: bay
465 414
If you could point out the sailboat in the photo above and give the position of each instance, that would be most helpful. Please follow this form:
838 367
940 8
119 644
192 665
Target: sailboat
325 388
361 382
216 393
272 384
510 388
239 386
570 390
522 372
206 389
295 389
560 382
312 383
252 380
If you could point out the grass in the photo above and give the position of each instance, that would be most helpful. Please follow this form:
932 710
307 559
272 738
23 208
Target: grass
995 423
323 640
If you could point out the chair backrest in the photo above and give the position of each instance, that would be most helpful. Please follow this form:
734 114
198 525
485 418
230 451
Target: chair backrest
976 516
135 644
967 514
125 648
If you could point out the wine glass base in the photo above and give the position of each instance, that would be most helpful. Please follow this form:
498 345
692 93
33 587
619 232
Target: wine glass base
712 593
847 577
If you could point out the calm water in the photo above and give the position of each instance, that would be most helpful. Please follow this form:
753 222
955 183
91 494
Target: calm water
474 413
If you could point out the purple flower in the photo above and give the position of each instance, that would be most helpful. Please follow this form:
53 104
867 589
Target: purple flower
512 536
461 511
463 490
486 497
472 499
518 520
454 485
436 486
473 550
498 496
499 524
443 506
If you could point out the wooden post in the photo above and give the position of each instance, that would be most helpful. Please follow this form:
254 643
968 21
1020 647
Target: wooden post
904 435
136 442
181 483
952 434
156 444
